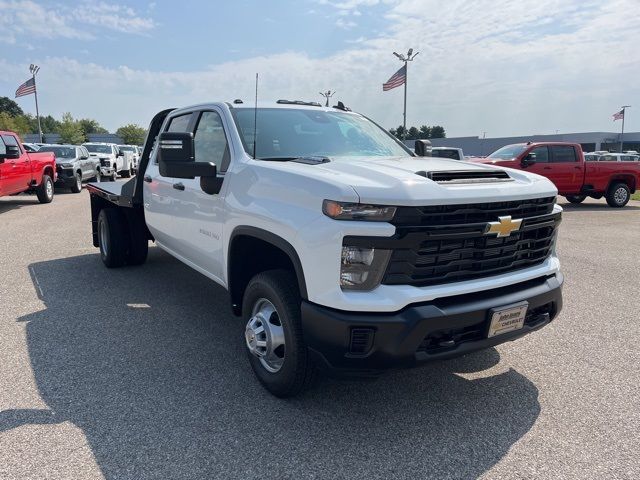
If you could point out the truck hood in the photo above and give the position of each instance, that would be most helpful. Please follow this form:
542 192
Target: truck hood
394 180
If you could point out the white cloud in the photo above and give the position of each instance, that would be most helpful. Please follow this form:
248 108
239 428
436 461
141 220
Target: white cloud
23 19
502 67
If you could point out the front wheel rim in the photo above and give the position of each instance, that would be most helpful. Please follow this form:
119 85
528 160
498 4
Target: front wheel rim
49 189
620 195
79 182
264 336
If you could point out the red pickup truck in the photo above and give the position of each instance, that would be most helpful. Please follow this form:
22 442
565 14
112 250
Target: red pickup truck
564 164
21 171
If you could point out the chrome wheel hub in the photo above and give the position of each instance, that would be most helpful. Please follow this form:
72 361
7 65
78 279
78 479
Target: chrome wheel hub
49 189
620 195
264 335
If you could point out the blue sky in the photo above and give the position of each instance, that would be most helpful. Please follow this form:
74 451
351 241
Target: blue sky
498 66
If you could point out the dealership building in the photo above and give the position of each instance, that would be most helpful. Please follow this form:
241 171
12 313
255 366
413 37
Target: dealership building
590 142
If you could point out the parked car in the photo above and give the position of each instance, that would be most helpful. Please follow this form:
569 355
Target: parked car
22 171
111 159
31 147
349 256
564 164
74 166
135 154
448 152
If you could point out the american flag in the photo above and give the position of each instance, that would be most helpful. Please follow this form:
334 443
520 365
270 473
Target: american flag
619 115
396 79
27 88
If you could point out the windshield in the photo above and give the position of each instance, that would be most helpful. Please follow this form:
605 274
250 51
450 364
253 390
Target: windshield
292 133
127 149
508 152
60 152
99 148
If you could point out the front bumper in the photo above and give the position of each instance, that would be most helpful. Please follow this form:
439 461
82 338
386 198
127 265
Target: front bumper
66 177
361 343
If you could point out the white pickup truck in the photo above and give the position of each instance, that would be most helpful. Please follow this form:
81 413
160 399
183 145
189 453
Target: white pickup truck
340 249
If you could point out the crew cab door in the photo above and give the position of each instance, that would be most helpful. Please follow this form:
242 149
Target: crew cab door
160 208
560 164
200 215
16 173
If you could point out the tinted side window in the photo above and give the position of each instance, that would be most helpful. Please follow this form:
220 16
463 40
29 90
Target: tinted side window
10 140
563 154
3 149
210 141
542 154
179 124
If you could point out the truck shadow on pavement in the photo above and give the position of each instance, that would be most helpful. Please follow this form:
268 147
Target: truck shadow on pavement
149 363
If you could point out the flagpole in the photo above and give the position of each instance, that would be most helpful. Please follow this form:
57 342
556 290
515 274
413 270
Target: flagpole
35 69
624 114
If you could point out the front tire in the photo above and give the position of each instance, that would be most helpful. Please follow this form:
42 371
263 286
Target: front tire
45 190
113 237
273 334
575 198
618 195
77 185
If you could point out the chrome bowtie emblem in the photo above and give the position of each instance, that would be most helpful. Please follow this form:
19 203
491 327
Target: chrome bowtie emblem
503 227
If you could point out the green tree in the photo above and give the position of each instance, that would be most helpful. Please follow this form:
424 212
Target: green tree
397 132
48 123
413 133
9 106
71 130
438 132
132 134
19 124
425 132
90 125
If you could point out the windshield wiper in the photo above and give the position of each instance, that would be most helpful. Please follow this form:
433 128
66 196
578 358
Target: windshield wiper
308 160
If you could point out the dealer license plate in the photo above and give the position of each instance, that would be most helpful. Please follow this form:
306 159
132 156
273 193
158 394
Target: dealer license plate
507 319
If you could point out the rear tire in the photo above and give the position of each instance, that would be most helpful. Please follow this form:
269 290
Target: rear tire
45 190
77 186
290 371
113 237
575 198
618 195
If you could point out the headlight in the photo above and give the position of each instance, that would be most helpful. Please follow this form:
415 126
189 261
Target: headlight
362 268
357 211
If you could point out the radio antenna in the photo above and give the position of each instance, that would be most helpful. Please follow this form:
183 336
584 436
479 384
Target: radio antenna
255 120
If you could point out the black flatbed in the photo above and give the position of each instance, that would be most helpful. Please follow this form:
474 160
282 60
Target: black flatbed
119 193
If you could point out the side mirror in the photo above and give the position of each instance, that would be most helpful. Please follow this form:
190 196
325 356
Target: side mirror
13 152
528 160
423 148
120 154
176 160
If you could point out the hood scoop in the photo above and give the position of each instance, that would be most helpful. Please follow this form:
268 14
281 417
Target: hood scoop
314 160
467 176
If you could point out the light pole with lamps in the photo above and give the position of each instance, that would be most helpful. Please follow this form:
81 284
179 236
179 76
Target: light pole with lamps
405 59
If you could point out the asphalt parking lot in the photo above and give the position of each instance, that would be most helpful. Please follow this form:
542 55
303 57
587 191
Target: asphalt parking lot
140 373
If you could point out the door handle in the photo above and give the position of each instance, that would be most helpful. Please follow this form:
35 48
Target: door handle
547 168
178 186
147 179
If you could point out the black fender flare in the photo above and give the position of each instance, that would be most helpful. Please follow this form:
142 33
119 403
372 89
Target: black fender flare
276 241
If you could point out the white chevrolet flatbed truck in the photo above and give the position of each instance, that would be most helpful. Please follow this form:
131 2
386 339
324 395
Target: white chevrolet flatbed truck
342 250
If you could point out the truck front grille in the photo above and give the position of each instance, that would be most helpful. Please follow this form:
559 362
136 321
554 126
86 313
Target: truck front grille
432 253
471 212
